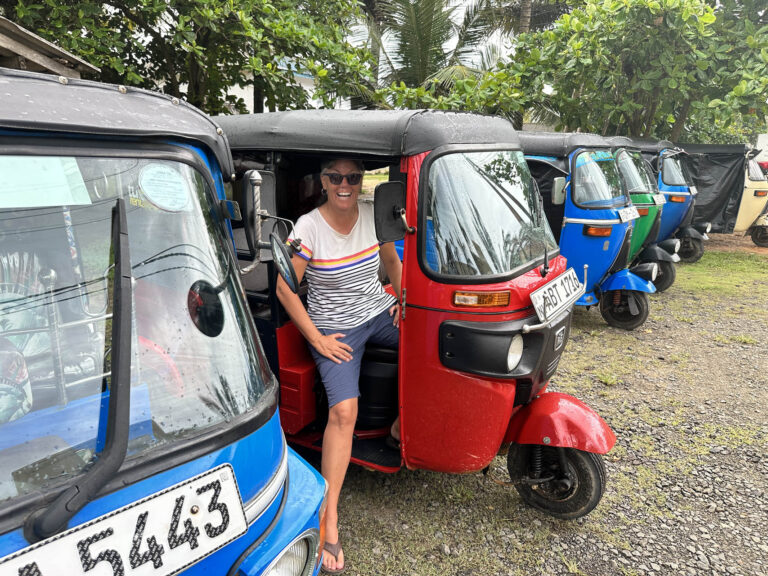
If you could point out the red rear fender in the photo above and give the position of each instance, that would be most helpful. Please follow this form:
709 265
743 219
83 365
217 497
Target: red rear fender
556 419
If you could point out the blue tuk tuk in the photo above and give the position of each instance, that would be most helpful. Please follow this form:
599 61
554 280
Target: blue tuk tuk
139 430
674 182
592 218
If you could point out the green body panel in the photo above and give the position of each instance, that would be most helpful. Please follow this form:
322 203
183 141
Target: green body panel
643 224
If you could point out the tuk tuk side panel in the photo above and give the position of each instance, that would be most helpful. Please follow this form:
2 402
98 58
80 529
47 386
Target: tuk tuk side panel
674 212
643 225
752 205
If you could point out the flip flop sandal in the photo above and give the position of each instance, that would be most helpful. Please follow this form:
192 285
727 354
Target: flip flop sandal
333 550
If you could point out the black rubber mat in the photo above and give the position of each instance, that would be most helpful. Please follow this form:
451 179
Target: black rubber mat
373 451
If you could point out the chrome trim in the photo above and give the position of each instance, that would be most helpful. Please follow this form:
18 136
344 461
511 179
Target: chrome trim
259 504
670 193
590 222
313 536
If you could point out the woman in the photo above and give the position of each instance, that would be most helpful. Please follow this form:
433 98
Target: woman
347 307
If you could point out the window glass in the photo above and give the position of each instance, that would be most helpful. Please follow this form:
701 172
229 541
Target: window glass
596 180
754 171
196 362
483 215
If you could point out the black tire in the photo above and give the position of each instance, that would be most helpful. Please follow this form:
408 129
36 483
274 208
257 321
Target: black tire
619 315
691 250
760 236
586 471
666 276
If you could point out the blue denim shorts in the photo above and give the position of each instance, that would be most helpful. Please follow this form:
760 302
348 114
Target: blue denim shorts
341 380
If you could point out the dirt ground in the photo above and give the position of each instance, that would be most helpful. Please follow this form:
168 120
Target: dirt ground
687 482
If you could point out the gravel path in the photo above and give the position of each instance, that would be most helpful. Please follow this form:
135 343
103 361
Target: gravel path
687 492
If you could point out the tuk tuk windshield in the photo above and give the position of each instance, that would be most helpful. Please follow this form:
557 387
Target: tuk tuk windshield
596 181
673 171
754 172
195 360
633 173
483 215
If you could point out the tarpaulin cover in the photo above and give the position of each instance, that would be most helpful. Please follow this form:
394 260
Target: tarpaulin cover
717 171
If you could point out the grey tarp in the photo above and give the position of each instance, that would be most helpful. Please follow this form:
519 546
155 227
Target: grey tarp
717 171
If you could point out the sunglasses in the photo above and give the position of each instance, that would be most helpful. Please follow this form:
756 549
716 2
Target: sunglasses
353 179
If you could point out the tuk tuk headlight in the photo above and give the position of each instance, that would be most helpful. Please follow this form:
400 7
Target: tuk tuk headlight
515 352
677 245
654 272
298 558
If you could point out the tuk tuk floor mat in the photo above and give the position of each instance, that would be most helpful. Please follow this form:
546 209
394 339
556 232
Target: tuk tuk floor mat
372 453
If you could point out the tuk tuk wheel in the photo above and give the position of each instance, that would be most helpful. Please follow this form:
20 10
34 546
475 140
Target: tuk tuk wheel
691 250
617 309
567 494
666 276
760 236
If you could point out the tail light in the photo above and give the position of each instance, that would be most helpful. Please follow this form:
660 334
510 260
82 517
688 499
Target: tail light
599 231
469 299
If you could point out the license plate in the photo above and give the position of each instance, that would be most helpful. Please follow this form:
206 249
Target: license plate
555 296
659 199
158 536
693 190
628 213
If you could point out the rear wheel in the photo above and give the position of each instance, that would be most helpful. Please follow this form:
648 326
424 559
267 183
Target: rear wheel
691 250
573 481
625 309
760 236
666 275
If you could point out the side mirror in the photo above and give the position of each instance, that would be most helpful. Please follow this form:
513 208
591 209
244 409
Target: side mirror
282 260
389 212
558 191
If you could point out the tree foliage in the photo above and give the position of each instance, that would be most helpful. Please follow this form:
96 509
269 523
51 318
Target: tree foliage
199 48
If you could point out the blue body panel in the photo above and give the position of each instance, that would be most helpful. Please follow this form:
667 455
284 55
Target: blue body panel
626 280
674 212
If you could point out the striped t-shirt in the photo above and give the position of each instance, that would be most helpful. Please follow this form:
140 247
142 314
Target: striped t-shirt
342 270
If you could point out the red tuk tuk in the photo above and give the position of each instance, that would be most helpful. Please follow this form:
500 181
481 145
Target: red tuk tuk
486 300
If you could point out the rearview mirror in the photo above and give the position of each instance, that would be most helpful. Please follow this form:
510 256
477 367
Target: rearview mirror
282 260
389 212
558 191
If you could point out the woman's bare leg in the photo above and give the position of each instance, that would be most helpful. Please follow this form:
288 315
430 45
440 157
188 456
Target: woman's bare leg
337 449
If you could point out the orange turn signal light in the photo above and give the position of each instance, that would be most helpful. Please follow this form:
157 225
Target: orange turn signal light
761 193
480 299
642 211
677 198
601 231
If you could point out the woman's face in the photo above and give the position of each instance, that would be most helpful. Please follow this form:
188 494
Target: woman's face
342 196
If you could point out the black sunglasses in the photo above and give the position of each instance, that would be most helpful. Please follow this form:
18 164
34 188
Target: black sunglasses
353 179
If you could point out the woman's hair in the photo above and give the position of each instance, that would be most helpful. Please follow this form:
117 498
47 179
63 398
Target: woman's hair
328 163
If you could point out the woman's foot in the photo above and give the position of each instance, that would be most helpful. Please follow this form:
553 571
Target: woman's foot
395 429
333 558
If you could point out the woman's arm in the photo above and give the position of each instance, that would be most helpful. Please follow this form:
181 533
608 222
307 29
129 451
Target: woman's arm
328 346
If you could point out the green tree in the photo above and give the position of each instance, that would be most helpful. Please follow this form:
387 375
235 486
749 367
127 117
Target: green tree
197 49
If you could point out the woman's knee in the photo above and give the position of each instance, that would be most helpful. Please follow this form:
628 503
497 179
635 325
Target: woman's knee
343 414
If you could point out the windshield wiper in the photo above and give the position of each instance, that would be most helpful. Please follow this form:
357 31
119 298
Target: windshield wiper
52 519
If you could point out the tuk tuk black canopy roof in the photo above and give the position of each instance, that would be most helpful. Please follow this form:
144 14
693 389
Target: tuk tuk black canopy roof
559 144
381 133
46 103
652 146
622 142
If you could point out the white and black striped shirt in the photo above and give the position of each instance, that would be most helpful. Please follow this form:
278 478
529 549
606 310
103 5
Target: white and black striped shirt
342 270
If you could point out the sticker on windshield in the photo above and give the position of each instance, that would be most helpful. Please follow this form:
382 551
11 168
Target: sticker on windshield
37 181
164 187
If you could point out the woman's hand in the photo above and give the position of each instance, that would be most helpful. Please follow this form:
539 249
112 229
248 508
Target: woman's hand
394 312
330 347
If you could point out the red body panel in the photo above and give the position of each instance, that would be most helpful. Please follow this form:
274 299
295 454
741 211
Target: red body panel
297 379
556 419
451 421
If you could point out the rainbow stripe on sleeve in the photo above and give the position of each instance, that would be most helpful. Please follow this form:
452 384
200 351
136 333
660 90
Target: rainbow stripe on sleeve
305 253
346 262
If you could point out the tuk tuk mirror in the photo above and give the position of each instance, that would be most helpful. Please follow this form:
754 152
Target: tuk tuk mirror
389 212
558 191
282 259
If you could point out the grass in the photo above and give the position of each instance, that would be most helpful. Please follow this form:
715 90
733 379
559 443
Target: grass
726 274
373 178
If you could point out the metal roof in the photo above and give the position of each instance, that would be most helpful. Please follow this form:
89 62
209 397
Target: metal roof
46 103
39 53
559 144
365 132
